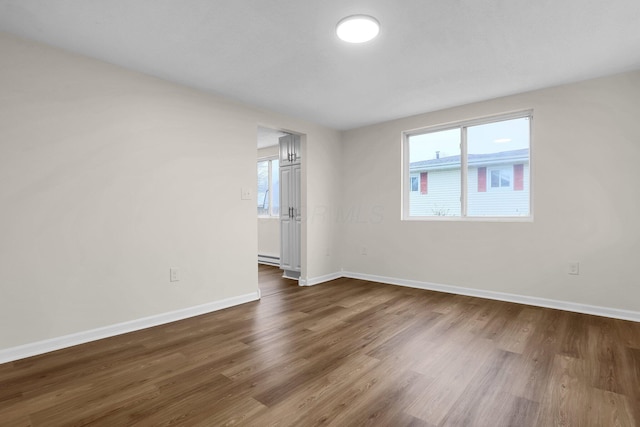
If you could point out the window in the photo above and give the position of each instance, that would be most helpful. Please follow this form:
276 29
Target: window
475 169
268 188
500 178
414 182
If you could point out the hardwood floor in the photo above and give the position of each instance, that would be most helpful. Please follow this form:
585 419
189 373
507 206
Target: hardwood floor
344 353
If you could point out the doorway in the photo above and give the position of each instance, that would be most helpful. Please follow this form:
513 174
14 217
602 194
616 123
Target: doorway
278 182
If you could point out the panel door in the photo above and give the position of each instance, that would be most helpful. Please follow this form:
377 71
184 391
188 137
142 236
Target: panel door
287 252
285 218
296 203
286 182
289 150
296 246
296 155
285 149
290 217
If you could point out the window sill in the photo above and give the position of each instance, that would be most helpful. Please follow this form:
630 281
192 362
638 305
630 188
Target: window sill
469 219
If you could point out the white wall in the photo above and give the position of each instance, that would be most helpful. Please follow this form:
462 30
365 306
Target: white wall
586 199
269 237
268 228
108 178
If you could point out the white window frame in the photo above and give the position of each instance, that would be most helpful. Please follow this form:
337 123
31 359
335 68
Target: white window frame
463 125
270 160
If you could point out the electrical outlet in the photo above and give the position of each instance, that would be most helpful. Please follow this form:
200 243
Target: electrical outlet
174 274
363 250
573 268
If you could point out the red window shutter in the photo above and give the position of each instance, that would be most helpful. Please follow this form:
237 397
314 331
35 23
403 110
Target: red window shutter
482 180
424 183
518 177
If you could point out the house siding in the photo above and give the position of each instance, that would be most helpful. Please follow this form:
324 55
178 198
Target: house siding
497 202
443 198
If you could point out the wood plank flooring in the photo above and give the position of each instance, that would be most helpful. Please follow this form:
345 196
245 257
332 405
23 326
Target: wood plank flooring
344 353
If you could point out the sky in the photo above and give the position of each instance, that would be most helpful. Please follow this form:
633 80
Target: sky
493 137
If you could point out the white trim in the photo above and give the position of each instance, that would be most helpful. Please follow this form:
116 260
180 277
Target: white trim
269 260
320 279
462 125
52 344
271 156
499 117
471 218
615 313
464 172
45 346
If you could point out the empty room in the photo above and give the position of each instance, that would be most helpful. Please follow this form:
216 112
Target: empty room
299 213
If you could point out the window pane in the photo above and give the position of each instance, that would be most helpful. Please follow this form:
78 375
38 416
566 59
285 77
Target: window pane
275 188
263 188
499 153
495 179
414 183
435 158
505 180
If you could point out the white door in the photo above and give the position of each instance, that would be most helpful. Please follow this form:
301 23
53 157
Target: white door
289 150
297 217
286 261
290 218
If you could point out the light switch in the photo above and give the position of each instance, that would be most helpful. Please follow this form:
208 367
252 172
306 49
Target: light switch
573 268
174 274
246 194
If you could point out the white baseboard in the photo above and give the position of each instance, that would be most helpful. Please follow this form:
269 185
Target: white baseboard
41 347
615 313
321 279
269 260
45 346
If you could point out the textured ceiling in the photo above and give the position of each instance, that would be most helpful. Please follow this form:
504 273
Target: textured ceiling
283 54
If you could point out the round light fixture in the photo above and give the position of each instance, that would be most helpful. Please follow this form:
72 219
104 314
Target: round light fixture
358 28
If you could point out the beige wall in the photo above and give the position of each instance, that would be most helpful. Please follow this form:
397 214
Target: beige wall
269 237
585 151
108 178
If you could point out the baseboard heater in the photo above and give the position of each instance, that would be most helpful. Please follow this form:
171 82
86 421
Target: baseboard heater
269 260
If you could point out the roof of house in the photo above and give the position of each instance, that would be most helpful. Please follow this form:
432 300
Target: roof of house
473 160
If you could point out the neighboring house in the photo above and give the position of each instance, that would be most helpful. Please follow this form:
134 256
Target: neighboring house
497 185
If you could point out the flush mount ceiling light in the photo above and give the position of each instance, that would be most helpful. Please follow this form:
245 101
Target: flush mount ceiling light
358 28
